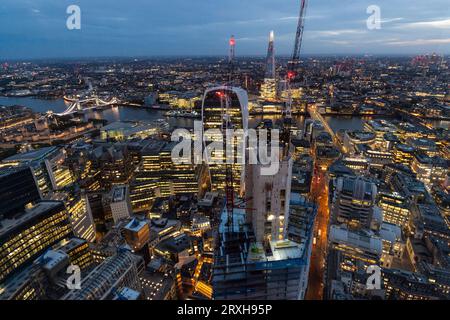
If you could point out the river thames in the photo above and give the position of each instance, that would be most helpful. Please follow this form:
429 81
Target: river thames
136 113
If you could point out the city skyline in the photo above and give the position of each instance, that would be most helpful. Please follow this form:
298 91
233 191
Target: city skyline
34 30
165 151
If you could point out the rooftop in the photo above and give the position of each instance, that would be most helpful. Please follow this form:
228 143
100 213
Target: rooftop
135 225
359 239
10 170
31 156
7 225
280 250
381 125
361 135
119 193
129 128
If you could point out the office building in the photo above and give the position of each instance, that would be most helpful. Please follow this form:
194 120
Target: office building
361 246
213 110
393 244
159 176
301 222
114 163
423 145
353 201
408 186
404 285
426 219
40 161
403 154
269 91
137 237
270 85
354 138
380 128
46 276
77 250
113 274
28 234
124 130
395 208
120 203
430 170
80 216
59 174
17 189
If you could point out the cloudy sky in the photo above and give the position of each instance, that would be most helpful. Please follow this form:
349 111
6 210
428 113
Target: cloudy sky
37 28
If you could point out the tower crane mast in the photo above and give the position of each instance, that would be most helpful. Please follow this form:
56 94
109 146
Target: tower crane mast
295 59
227 124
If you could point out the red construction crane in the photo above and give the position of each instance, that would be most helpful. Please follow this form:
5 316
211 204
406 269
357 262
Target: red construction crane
229 188
227 124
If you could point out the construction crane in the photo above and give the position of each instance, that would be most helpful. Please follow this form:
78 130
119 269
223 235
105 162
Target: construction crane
292 69
291 75
225 101
231 55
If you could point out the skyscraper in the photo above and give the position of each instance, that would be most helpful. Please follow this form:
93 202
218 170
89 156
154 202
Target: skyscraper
28 234
246 269
269 86
269 197
270 66
38 161
254 257
214 111
81 216
159 176
17 188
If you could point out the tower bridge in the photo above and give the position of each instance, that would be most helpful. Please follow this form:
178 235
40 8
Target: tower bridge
86 100
82 104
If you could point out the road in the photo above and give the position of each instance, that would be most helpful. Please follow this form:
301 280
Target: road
319 192
315 115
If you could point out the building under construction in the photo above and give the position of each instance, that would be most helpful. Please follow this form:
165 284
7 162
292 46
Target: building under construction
250 270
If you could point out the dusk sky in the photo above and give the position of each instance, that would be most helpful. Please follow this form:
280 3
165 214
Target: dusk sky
37 28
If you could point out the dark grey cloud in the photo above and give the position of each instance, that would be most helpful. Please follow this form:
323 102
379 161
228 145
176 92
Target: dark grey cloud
37 28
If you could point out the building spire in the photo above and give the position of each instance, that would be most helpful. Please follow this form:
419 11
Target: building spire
270 63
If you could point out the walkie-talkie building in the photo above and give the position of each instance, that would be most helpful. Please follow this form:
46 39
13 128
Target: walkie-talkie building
214 111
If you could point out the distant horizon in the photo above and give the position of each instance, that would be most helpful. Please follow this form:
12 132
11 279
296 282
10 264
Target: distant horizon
174 56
